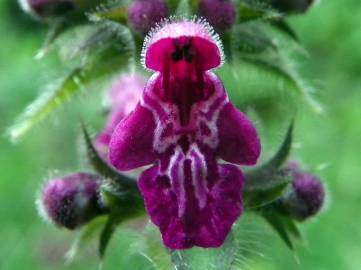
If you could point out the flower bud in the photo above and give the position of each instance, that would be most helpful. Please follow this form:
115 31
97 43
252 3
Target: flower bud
47 8
292 6
144 14
71 201
221 14
305 197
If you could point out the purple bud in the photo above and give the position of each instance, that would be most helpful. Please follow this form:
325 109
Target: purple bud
221 14
47 8
144 14
292 6
72 200
305 197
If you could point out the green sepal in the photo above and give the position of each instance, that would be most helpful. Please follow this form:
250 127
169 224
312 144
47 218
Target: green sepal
114 178
123 206
90 232
283 152
285 227
118 192
106 235
265 188
267 182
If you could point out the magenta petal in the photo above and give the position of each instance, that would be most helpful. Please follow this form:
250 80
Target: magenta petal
238 140
205 227
131 144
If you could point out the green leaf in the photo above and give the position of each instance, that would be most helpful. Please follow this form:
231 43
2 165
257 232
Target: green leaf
106 59
278 224
55 30
230 256
249 10
278 67
106 235
284 27
89 233
149 245
116 12
179 261
210 259
257 195
248 38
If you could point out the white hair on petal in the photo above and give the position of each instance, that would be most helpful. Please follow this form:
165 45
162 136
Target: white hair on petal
161 29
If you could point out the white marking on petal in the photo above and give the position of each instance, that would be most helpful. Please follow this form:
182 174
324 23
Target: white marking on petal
199 180
201 110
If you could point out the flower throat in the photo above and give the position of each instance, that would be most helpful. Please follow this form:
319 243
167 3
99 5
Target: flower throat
183 80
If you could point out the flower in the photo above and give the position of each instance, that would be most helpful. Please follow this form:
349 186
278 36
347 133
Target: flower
71 201
306 196
143 14
183 123
123 97
47 8
221 14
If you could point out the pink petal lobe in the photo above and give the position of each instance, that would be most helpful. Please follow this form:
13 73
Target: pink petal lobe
131 144
238 139
198 225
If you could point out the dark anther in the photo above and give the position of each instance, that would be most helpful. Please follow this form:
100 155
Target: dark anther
182 52
188 57
177 55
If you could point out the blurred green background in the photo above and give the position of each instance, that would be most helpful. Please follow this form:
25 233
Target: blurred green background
330 144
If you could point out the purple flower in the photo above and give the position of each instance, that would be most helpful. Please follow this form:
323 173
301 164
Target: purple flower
183 123
123 97
143 14
47 8
306 196
71 201
221 14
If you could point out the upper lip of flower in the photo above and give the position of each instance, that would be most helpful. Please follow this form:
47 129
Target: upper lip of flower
182 40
